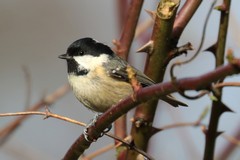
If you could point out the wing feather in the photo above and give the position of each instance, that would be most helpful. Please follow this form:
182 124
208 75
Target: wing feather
116 68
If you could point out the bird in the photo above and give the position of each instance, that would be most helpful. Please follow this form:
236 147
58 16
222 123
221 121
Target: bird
98 77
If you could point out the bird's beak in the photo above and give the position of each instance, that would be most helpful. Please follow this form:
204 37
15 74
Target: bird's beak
65 56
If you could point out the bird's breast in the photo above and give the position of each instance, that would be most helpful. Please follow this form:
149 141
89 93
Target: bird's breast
98 91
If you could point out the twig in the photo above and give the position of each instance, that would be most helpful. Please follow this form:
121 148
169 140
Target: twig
229 148
227 84
98 152
177 52
131 147
185 124
46 115
231 139
106 148
48 100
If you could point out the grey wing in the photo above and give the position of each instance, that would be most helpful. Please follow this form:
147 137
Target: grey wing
116 68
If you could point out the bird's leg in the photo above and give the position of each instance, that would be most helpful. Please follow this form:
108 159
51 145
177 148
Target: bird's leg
92 123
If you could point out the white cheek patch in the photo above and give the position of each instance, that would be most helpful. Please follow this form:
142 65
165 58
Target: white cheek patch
90 62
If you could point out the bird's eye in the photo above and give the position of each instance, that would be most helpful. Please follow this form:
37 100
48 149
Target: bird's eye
81 52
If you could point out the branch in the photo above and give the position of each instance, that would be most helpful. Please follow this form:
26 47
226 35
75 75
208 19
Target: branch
121 5
230 147
198 122
46 115
160 46
145 94
177 52
123 45
184 16
48 100
105 149
217 109
131 147
227 84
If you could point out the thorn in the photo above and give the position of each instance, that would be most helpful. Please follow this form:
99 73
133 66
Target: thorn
148 47
219 133
225 108
212 49
152 14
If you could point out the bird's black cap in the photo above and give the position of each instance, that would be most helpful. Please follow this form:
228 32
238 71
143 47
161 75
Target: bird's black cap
87 46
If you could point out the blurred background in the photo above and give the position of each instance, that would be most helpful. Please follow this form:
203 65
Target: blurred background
32 35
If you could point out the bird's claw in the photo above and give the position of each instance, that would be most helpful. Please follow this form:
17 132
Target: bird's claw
92 123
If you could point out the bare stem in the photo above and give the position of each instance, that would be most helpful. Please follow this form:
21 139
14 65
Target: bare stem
46 114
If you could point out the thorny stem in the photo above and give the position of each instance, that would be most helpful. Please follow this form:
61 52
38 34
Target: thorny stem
217 109
166 12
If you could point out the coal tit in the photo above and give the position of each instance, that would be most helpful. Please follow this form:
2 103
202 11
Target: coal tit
98 77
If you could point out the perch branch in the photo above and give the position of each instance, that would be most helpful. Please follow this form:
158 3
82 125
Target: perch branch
143 95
